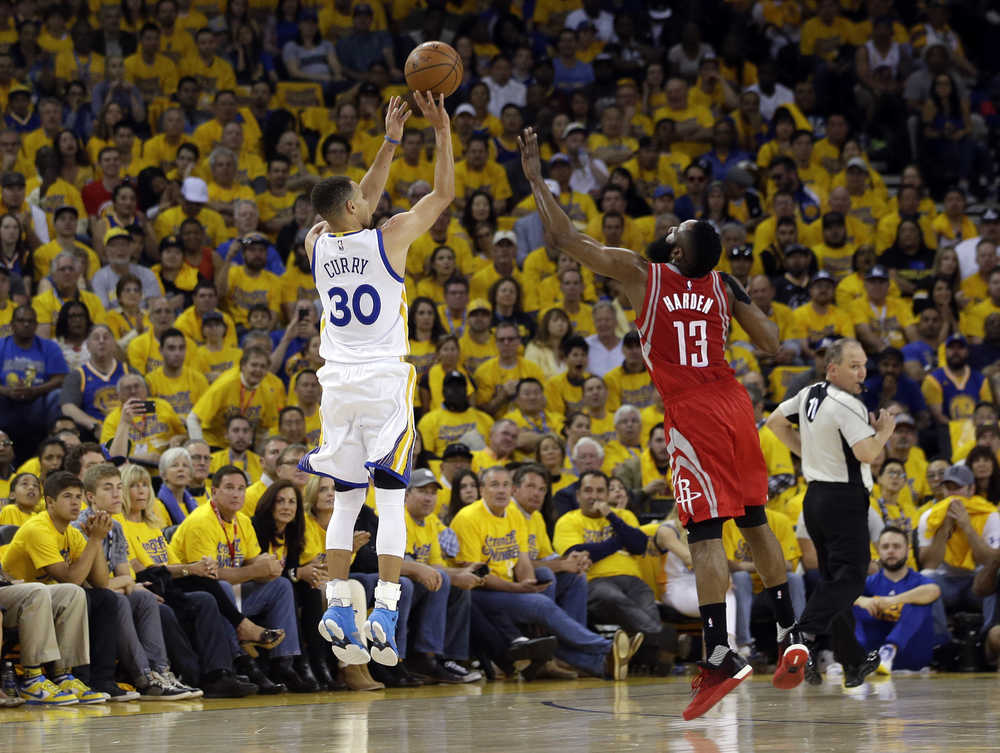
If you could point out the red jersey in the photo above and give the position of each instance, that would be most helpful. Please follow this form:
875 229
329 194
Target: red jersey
683 328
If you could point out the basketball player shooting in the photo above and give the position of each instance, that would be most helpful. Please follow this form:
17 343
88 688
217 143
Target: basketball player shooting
367 403
684 310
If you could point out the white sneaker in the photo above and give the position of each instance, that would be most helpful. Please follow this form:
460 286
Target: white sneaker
170 679
886 654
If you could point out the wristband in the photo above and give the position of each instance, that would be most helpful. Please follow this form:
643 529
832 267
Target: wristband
392 141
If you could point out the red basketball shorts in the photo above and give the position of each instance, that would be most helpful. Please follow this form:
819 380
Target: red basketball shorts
716 465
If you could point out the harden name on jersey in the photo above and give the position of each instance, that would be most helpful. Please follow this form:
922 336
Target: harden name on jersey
694 301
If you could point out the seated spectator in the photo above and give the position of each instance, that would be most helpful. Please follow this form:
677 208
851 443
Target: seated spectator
956 536
441 595
616 592
497 378
180 385
90 392
499 448
117 245
894 614
239 440
511 594
890 383
627 442
176 471
953 390
148 425
220 530
48 549
587 455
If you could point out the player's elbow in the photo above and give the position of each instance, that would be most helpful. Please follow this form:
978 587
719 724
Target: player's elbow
934 593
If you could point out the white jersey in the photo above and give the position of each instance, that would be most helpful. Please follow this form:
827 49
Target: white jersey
364 300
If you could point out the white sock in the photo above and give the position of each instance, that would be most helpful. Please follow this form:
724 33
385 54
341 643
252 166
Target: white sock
338 593
387 594
391 537
340 532
782 632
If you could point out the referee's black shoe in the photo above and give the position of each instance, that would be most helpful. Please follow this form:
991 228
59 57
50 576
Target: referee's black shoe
855 676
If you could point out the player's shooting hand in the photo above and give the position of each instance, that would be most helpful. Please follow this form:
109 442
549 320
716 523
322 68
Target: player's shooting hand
395 117
433 110
531 163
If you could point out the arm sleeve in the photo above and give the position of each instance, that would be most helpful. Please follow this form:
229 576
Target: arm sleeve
71 392
633 539
597 551
790 407
853 423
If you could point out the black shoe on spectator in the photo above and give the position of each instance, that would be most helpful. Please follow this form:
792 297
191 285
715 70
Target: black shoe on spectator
523 651
248 667
286 670
224 684
322 674
393 677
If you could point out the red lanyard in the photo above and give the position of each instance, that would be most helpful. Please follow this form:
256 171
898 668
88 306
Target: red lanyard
245 405
230 543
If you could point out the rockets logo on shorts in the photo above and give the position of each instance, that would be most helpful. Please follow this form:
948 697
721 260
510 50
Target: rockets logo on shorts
684 496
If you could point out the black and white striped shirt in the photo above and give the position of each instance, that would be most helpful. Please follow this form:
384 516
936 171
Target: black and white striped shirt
830 422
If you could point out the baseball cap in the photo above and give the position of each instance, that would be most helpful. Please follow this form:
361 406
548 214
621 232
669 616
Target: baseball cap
741 252
574 126
824 344
171 241
422 477
504 235
878 272
212 316
480 304
905 419
796 248
456 450
956 337
454 376
217 25
18 89
252 238
465 109
823 275
194 190
739 176
660 191
858 163
558 157
960 475
116 232
12 179
991 215
65 208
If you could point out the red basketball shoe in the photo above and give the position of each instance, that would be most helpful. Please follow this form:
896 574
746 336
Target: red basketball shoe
713 683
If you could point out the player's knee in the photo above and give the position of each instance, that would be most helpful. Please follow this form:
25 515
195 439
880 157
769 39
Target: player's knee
704 530
385 480
752 518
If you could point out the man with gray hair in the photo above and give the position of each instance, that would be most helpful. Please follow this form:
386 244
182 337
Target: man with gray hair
417 190
588 455
119 251
223 190
605 351
150 425
628 438
246 218
828 426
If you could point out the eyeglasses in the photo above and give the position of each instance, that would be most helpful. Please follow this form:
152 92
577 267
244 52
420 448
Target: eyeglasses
508 339
6 443
896 474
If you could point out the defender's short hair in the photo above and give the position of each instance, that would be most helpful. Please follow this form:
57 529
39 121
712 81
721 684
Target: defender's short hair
706 249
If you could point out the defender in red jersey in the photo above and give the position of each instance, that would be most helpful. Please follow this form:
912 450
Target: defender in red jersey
684 312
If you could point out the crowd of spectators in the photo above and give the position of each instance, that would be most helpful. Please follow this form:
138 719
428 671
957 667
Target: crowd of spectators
159 322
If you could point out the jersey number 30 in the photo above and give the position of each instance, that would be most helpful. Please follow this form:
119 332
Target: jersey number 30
341 315
697 356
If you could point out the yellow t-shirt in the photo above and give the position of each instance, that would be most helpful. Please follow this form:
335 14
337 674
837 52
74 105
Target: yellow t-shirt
691 114
815 326
629 389
12 515
422 540
47 306
217 76
227 397
169 223
887 321
271 205
825 41
45 254
145 356
539 544
485 537
402 175
491 374
147 544
150 433
38 544
440 428
562 396
244 292
189 322
475 354
492 179
576 528
251 465
217 363
182 392
158 79
204 534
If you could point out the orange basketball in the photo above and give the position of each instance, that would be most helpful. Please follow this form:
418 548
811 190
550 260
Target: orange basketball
434 67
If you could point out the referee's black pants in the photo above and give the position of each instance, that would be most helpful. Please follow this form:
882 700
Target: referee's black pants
836 516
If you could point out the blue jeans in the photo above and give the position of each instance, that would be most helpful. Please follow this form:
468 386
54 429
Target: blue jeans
568 590
912 635
956 594
405 605
746 600
578 646
441 619
275 602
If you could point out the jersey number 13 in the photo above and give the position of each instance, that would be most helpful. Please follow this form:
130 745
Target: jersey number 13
697 334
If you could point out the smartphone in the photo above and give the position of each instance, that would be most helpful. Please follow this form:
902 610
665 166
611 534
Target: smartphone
303 312
481 570
147 406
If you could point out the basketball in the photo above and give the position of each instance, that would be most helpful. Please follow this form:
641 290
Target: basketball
434 67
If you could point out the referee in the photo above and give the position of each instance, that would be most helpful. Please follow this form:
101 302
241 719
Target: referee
837 440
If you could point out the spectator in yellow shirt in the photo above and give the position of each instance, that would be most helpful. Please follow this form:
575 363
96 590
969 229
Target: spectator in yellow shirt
154 74
835 253
612 541
454 419
820 317
149 432
179 385
212 72
692 123
824 34
244 286
194 197
497 378
477 172
881 322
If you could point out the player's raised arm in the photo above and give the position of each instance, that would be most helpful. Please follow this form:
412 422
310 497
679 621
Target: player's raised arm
400 230
373 184
763 332
620 264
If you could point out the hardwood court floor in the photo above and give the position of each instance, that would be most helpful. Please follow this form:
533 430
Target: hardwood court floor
954 713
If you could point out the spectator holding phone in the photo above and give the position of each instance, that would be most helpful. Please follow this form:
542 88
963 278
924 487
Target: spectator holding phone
295 338
145 426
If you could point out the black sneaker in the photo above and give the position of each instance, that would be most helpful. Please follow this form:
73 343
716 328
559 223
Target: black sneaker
228 685
534 649
117 694
855 676
394 677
